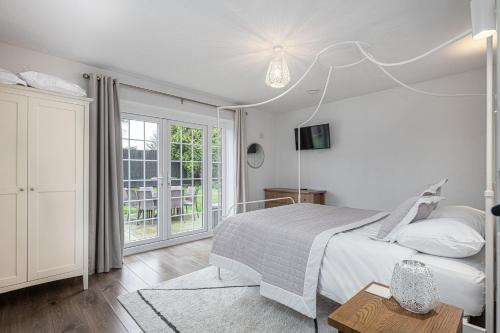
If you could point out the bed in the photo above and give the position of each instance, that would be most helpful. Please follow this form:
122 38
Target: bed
363 260
271 248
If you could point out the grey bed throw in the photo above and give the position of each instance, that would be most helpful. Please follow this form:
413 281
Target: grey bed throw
282 248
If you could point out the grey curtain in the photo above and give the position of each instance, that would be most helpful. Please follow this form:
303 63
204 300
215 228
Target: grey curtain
240 129
106 234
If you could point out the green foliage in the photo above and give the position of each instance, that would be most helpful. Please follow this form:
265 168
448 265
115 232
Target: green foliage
215 137
187 146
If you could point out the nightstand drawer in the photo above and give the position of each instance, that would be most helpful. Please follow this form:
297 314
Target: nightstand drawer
307 196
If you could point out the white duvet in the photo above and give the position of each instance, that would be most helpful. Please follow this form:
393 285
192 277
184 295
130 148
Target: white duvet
352 260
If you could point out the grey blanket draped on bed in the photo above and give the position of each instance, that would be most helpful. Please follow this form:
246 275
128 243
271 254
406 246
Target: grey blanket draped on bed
282 248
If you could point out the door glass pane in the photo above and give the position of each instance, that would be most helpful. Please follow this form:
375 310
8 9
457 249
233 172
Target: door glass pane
198 153
151 150
136 129
151 130
197 136
216 204
136 149
125 129
175 152
187 194
186 135
140 187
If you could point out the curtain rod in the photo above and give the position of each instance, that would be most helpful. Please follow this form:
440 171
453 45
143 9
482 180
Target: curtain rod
87 76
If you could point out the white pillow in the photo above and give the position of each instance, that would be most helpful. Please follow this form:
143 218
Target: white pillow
472 217
411 210
441 237
7 77
52 83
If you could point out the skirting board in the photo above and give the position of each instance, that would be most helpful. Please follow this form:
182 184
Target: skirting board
469 328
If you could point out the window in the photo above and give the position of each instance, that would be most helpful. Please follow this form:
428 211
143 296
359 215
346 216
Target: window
217 172
140 179
187 178
173 178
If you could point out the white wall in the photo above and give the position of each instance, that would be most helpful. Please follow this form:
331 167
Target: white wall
389 145
386 145
261 129
260 124
17 59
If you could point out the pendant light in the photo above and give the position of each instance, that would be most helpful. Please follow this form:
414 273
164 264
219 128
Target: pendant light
278 75
482 14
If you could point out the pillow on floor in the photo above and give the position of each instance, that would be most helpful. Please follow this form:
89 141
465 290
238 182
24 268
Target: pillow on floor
7 77
441 237
472 217
52 83
435 189
413 209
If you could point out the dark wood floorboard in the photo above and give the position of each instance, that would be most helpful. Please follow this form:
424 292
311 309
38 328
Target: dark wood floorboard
63 306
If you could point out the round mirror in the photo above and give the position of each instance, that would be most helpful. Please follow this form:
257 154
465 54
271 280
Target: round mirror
255 155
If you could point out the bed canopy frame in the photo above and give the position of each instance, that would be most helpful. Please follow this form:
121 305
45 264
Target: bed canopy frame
491 146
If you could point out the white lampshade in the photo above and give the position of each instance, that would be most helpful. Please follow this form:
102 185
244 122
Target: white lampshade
278 74
482 14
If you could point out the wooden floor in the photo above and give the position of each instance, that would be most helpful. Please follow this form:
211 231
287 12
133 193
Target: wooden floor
62 306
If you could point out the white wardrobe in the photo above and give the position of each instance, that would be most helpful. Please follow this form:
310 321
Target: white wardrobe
43 187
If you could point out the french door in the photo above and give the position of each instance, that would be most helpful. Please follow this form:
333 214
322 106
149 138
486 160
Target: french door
142 187
167 171
186 185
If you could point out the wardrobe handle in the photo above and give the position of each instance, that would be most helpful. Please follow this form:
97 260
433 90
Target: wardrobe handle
21 189
32 189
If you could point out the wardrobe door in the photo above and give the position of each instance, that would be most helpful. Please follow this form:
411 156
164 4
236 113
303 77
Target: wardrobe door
55 188
13 198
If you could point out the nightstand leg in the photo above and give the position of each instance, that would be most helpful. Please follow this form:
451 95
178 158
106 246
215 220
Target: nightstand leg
218 273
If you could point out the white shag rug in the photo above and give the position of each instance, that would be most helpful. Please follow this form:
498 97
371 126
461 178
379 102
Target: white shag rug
200 302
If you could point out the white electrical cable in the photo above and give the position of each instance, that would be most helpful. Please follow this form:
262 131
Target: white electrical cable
437 48
367 56
321 99
308 120
350 65
423 91
244 106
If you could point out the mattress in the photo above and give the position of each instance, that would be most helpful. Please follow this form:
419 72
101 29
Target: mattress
352 260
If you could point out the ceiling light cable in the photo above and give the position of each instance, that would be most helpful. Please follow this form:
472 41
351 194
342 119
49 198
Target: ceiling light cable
327 83
366 55
321 99
404 62
423 91
351 64
308 70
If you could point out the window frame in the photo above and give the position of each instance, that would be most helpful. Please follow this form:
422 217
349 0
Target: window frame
147 111
167 160
160 201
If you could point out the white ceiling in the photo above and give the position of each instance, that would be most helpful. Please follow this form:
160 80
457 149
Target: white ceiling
223 47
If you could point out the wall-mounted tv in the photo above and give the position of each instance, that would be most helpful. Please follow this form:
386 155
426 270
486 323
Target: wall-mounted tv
313 137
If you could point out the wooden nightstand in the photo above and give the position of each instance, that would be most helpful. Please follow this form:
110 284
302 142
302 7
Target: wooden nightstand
366 312
308 196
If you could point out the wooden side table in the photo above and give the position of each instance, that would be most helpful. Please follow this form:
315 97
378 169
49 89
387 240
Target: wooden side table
366 312
308 196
